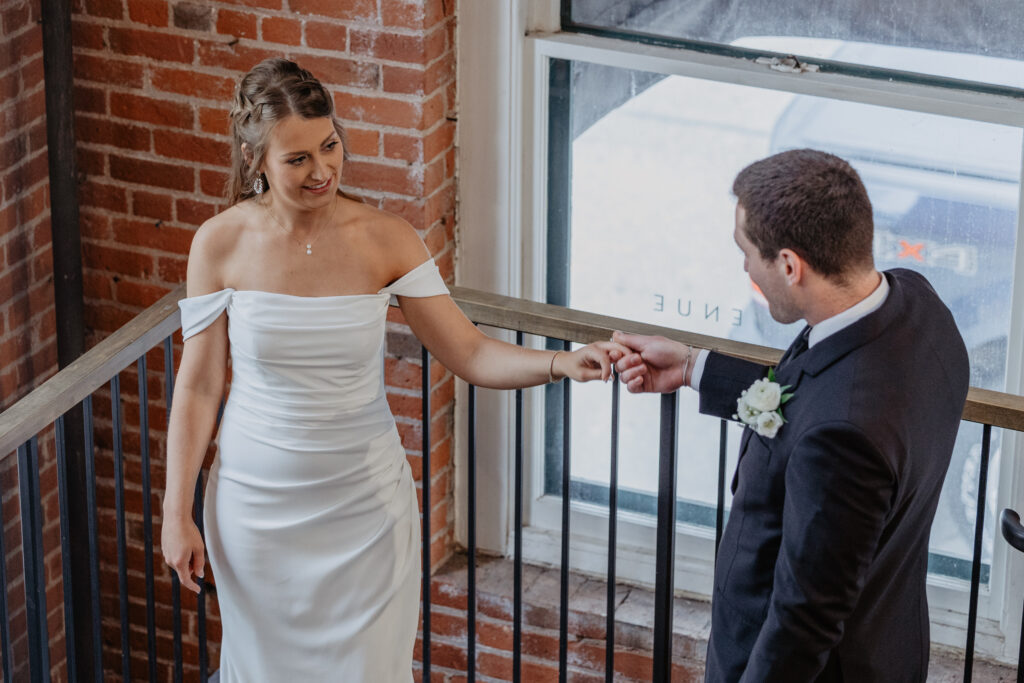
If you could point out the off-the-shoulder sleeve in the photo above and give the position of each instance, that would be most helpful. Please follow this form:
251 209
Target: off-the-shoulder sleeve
423 280
199 312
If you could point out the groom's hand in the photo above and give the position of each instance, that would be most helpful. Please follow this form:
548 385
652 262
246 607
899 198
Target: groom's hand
656 364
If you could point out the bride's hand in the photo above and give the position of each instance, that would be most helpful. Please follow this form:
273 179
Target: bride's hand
183 549
593 361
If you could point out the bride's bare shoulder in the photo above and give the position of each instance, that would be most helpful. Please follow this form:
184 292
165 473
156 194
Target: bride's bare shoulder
393 235
213 246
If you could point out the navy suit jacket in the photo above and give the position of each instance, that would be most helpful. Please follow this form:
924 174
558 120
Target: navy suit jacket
821 570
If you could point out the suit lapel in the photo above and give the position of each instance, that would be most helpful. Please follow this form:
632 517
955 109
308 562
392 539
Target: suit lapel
787 373
744 442
814 360
838 345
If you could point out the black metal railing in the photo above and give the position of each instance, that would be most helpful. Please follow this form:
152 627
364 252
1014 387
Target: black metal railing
70 395
985 407
97 376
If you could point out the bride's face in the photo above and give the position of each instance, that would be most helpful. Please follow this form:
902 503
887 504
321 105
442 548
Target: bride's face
303 162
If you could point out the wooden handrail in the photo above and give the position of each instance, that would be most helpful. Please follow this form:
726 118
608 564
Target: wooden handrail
60 393
983 405
63 391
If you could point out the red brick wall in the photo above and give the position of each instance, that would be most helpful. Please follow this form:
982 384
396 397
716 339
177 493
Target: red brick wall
153 84
28 343
28 350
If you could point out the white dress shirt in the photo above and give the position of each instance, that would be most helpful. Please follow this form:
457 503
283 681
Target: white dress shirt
869 304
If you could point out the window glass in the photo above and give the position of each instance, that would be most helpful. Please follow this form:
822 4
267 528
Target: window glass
947 30
649 238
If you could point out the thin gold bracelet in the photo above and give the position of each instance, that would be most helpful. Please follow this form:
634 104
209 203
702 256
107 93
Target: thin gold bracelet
551 368
686 362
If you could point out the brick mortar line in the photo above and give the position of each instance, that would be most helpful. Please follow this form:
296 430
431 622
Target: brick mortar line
401 391
226 139
26 126
30 26
391 195
224 72
283 12
369 59
362 125
31 223
460 641
388 128
448 373
147 125
23 227
213 36
35 347
196 100
41 280
135 249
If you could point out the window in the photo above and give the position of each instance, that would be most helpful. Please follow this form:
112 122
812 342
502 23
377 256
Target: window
625 131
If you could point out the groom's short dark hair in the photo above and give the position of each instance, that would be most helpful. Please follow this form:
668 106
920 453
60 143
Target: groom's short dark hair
811 202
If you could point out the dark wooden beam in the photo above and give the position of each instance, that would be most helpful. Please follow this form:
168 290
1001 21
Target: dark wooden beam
69 307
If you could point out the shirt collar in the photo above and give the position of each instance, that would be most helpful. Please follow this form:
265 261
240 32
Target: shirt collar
869 304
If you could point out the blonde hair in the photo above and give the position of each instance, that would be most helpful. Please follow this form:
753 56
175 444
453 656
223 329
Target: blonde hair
272 90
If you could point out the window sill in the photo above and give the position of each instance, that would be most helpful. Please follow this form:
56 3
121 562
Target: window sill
586 653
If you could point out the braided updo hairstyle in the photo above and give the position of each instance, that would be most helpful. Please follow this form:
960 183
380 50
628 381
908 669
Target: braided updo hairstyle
271 91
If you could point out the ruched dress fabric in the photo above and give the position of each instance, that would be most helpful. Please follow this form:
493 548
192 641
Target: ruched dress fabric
311 517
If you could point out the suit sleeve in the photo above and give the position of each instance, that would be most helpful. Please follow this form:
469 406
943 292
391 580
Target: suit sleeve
723 380
839 489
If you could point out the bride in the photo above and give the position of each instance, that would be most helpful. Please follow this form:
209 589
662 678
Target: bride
311 515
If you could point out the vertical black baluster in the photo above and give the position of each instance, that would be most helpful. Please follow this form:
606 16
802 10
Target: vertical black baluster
1013 534
723 435
560 137
65 549
197 513
5 635
1020 652
425 486
179 664
94 544
979 528
122 541
179 668
666 534
147 514
32 552
563 598
613 520
197 509
471 532
517 535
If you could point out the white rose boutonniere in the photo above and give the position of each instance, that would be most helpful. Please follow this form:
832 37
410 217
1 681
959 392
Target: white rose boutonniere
760 406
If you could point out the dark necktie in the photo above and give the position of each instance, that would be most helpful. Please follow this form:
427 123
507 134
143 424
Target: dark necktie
797 347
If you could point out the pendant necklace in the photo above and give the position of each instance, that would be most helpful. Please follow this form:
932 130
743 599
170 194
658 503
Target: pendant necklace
315 236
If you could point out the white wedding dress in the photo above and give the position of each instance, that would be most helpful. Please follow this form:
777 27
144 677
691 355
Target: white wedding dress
311 516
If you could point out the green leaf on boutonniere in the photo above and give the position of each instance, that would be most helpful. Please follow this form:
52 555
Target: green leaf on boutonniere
785 397
771 374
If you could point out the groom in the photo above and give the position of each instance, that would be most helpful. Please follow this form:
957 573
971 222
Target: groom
821 571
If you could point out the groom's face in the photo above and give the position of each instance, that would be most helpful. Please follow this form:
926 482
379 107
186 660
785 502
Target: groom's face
768 275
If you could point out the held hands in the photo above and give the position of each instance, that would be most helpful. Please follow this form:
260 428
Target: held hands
593 361
653 364
183 549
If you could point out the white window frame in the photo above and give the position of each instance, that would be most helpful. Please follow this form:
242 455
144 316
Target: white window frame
503 50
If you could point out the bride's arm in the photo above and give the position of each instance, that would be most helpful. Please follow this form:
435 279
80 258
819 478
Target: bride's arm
198 390
455 341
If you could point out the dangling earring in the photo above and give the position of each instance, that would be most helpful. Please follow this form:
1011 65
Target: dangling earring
257 185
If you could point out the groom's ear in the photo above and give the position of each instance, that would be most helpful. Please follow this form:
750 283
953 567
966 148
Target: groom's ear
791 266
